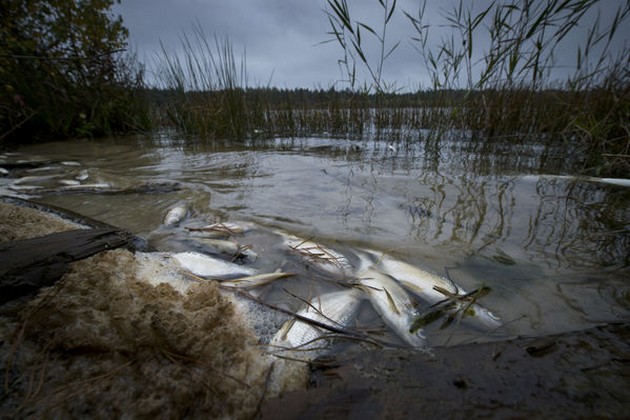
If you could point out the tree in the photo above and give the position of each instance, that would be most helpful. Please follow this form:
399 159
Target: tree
64 70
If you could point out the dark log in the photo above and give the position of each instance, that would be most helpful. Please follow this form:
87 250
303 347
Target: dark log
30 264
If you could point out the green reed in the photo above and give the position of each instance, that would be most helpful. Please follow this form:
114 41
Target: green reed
206 86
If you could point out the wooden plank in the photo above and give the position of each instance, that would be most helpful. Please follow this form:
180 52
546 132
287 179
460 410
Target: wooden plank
30 264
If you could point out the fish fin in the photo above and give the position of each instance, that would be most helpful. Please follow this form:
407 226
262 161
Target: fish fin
286 327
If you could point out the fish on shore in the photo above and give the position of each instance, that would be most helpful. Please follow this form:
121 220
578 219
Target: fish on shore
433 288
205 266
256 280
319 256
392 302
229 248
176 214
334 309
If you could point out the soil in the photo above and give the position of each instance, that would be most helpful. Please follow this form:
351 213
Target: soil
572 375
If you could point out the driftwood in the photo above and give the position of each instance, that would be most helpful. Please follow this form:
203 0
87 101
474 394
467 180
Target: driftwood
30 264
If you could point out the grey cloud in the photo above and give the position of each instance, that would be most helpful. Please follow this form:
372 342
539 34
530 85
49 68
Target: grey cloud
284 38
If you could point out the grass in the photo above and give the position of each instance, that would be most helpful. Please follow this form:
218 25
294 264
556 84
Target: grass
498 89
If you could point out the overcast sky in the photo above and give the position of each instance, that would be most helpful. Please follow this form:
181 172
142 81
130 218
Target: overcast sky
283 39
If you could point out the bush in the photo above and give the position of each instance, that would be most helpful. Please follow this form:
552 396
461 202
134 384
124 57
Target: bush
65 72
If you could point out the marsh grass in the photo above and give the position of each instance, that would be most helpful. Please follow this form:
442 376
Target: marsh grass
503 57
494 78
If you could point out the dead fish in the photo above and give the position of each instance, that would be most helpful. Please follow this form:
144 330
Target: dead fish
319 256
205 266
391 301
88 187
20 188
83 175
230 248
614 181
67 182
256 280
176 214
34 179
219 230
334 309
4 172
432 287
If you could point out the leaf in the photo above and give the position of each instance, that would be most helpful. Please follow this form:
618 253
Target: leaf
391 12
367 28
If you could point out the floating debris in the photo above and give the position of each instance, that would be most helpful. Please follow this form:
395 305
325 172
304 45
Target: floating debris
219 230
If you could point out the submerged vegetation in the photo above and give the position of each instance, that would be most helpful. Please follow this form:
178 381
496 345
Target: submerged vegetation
495 76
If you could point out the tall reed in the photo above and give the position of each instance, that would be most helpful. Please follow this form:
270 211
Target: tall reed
207 87
502 57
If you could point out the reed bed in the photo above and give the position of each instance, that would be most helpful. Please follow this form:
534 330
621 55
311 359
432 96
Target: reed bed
500 89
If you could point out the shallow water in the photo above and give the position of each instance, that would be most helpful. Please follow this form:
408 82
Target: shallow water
553 249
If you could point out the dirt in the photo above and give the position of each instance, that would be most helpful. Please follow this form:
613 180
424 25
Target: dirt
572 375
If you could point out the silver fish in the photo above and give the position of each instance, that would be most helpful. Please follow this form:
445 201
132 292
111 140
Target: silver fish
319 256
256 280
230 248
205 266
219 230
68 182
95 187
391 301
83 175
176 214
335 309
615 181
423 284
34 179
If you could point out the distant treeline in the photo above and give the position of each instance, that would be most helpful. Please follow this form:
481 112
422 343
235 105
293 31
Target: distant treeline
279 98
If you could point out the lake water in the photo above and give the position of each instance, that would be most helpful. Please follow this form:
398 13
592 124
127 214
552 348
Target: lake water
555 250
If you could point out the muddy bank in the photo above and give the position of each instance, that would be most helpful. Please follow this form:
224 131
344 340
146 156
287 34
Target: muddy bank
574 375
